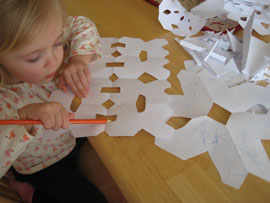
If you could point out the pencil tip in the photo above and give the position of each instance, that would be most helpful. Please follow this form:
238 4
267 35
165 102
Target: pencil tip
108 120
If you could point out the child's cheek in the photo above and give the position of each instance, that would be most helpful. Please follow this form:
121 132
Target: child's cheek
33 77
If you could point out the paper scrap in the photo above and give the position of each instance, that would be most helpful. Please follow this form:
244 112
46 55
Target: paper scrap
228 58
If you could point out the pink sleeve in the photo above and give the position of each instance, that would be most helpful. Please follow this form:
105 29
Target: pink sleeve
13 138
82 36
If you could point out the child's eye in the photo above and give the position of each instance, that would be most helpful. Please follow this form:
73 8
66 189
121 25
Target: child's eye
35 60
58 44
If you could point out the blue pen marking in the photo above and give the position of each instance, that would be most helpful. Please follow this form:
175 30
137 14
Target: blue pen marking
216 141
252 158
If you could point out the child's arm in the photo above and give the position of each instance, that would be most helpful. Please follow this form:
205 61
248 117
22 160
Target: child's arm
84 48
13 138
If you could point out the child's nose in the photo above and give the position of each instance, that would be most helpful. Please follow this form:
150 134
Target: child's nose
52 59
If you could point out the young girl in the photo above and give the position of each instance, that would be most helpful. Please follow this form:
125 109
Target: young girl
33 34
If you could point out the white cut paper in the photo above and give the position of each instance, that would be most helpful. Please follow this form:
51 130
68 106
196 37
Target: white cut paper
92 102
263 73
202 134
156 112
205 49
235 43
234 151
248 141
244 62
235 148
257 52
241 11
238 98
196 101
190 65
133 66
174 17
128 120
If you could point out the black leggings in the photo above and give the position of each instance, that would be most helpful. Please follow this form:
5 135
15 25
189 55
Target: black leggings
62 182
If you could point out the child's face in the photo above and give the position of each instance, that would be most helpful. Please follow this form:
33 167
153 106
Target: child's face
38 61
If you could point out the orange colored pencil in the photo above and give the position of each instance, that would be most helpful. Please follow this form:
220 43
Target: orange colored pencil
71 121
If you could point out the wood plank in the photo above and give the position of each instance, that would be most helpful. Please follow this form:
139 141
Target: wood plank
193 181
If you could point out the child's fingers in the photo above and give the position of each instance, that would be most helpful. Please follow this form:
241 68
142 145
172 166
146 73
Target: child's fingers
48 121
58 120
71 115
79 85
84 81
62 84
88 78
65 118
77 78
72 84
78 88
53 115
88 75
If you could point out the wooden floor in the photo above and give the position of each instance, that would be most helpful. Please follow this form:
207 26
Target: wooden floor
93 168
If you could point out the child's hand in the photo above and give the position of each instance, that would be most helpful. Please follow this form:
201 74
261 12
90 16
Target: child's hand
77 76
52 114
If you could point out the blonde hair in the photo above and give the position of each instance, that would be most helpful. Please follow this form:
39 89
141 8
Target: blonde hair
22 20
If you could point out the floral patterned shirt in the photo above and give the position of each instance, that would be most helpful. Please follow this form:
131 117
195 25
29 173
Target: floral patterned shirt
29 153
